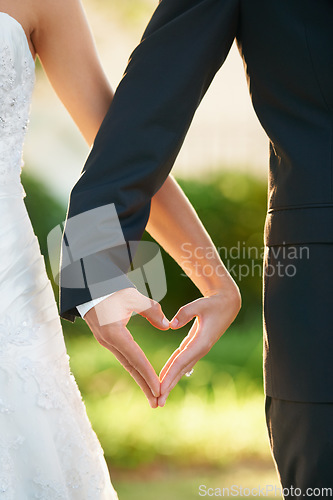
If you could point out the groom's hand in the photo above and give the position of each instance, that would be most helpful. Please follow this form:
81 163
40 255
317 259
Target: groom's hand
108 320
213 315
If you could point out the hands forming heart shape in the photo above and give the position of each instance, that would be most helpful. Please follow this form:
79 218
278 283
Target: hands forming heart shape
213 315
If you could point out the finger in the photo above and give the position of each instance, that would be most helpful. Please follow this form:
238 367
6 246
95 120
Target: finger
155 315
184 343
184 315
117 336
162 399
189 356
136 376
187 368
123 341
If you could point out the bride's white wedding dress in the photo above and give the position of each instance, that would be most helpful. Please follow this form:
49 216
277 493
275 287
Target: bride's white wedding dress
48 449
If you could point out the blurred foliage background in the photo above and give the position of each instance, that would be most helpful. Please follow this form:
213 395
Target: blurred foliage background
213 422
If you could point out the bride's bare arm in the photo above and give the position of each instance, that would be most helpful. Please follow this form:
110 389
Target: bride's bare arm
174 223
65 46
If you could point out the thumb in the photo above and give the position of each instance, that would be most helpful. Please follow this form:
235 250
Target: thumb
184 315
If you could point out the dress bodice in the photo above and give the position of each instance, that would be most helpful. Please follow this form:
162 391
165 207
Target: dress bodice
17 77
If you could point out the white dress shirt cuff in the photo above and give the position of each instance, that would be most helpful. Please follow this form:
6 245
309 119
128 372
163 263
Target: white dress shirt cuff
84 308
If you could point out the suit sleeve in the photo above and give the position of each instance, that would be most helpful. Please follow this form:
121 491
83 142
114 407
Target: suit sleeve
182 48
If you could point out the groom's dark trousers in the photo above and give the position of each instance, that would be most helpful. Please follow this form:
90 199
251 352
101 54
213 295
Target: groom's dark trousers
287 50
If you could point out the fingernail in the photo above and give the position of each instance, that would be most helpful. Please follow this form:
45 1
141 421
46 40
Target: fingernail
175 322
161 402
166 323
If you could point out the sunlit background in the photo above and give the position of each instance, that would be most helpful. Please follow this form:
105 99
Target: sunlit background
212 429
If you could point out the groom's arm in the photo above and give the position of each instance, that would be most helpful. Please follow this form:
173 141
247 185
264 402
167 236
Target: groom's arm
183 46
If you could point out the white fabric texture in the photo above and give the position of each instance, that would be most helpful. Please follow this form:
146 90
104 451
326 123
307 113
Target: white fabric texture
48 449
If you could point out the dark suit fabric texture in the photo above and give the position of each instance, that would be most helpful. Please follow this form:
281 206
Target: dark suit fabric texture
301 438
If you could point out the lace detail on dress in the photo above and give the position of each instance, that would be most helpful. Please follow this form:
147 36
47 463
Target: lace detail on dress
79 453
12 334
17 79
48 489
7 478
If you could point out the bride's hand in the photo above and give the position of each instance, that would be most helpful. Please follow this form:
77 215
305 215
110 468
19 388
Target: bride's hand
214 314
108 320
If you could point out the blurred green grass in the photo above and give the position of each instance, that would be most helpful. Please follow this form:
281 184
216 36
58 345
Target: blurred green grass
180 484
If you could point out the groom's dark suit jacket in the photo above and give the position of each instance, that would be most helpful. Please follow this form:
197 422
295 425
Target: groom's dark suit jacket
287 50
